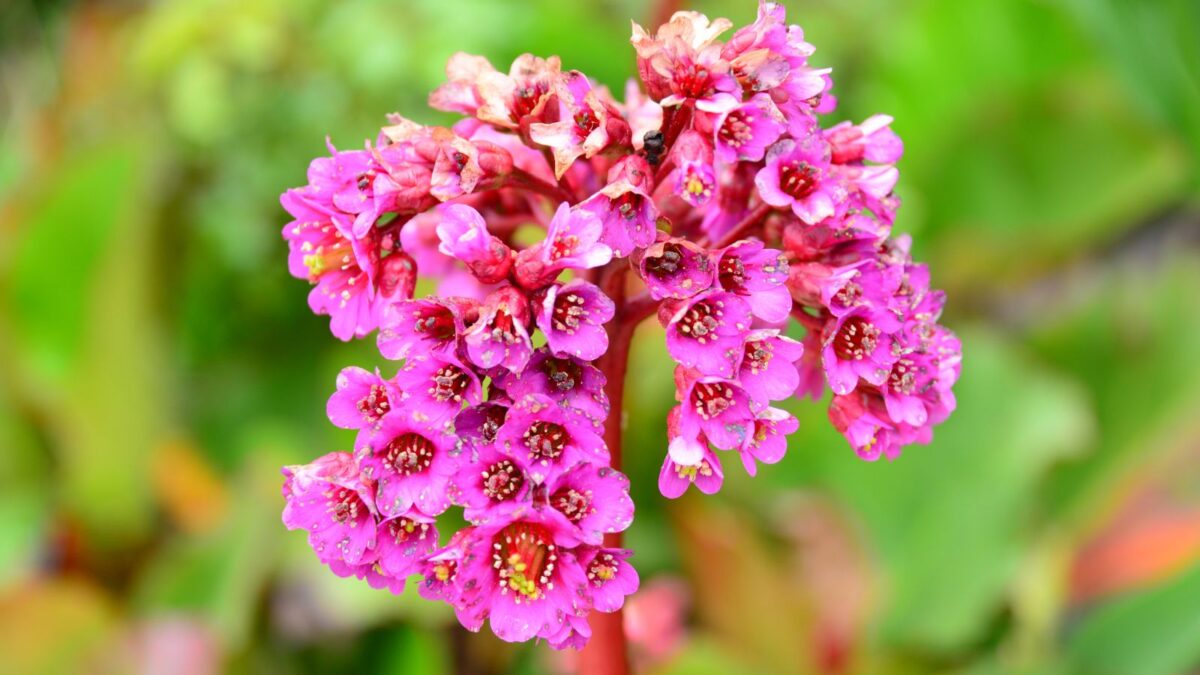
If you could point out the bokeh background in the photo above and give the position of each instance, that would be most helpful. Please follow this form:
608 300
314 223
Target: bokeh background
157 364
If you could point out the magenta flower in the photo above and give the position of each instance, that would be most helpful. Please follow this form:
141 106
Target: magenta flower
572 317
707 333
572 383
675 268
593 499
464 236
521 575
797 176
756 274
717 408
331 500
435 388
411 464
746 131
429 326
768 367
739 208
768 442
499 337
609 575
548 439
361 402
490 481
858 345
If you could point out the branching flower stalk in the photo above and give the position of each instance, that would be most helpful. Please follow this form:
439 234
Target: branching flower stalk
711 198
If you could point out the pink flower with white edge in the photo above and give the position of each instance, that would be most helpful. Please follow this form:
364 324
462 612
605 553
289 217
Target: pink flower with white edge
716 407
411 463
475 87
768 442
708 333
572 316
548 438
329 498
361 401
594 499
758 275
624 207
489 481
675 268
682 61
768 368
797 176
610 576
429 326
858 345
500 336
436 387
706 474
585 126
521 575
572 383
745 132
464 235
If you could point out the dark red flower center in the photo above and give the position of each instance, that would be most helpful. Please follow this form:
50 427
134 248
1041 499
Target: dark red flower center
757 356
692 81
524 555
731 273
736 130
546 440
903 378
493 418
563 374
344 505
629 205
797 179
603 568
856 339
448 383
375 404
526 98
408 454
711 399
436 322
402 530
573 504
502 480
586 122
667 263
701 321
366 179
569 311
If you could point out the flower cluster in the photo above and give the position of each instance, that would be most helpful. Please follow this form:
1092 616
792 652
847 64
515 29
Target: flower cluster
711 197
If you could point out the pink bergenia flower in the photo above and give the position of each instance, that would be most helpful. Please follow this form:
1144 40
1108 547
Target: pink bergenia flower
695 175
797 176
610 577
521 575
500 337
708 332
626 211
479 424
689 461
858 345
758 275
594 499
586 124
489 481
429 326
768 442
465 236
572 317
572 383
860 418
717 408
572 242
871 141
682 62
548 439
436 387
768 367
361 402
411 463
476 88
675 268
331 500
745 132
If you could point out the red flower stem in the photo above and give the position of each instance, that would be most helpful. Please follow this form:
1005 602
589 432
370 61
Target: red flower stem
606 652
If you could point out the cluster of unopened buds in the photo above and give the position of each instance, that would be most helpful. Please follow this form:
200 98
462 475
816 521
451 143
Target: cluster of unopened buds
711 197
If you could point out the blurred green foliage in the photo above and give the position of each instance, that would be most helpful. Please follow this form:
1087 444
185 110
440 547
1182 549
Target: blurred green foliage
159 365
